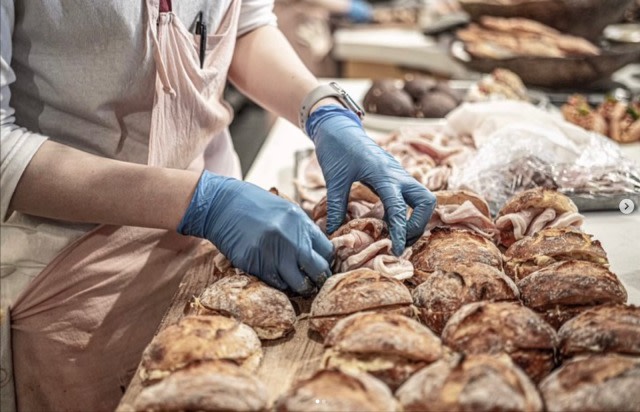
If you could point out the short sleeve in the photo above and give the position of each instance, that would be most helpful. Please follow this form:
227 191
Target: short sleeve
17 145
255 14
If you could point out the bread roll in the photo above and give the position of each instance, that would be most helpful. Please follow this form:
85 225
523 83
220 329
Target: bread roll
446 247
443 293
532 210
390 347
435 104
606 328
418 86
470 383
331 390
562 290
595 383
495 327
390 101
359 290
197 339
209 386
267 310
549 246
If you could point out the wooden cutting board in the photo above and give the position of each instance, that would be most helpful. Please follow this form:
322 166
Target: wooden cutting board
285 360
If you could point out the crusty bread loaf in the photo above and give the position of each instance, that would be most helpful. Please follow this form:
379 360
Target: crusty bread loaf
445 247
359 290
267 310
388 346
594 383
331 390
551 245
458 197
197 339
606 328
538 198
443 293
495 327
562 290
470 383
547 207
209 386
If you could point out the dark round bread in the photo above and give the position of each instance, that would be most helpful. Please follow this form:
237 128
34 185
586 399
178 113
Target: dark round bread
418 86
388 100
435 104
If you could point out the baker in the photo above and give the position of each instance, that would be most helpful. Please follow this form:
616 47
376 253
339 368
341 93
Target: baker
115 162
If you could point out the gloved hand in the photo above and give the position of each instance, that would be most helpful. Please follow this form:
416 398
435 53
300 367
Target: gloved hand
259 232
346 155
360 11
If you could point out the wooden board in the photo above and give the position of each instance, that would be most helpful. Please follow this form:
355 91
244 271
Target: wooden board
285 360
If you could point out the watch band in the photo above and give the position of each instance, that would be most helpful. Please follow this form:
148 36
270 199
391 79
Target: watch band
321 92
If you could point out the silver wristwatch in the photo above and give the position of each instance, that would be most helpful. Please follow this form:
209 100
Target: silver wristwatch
321 92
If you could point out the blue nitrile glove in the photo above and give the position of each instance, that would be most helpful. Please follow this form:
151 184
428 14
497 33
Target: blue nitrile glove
259 232
360 11
346 155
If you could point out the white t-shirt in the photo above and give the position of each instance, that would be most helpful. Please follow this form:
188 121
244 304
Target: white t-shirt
82 74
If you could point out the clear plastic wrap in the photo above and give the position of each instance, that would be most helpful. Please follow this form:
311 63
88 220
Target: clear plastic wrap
516 153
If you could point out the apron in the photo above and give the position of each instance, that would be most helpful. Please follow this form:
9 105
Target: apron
79 328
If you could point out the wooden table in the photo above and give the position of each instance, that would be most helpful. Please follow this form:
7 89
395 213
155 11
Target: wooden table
285 360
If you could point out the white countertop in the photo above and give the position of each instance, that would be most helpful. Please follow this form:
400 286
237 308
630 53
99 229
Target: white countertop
618 233
397 46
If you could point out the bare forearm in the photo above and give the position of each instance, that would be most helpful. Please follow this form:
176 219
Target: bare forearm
68 184
268 70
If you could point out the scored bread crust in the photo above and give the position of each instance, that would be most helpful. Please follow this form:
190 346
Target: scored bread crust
470 383
391 347
357 291
606 328
494 327
444 292
458 197
564 289
538 198
267 310
200 338
446 246
549 246
209 386
594 383
330 390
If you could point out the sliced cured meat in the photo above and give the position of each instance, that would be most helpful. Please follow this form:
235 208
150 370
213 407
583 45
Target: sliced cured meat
464 216
541 221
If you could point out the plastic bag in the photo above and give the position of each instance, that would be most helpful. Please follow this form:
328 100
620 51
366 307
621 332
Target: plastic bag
521 147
